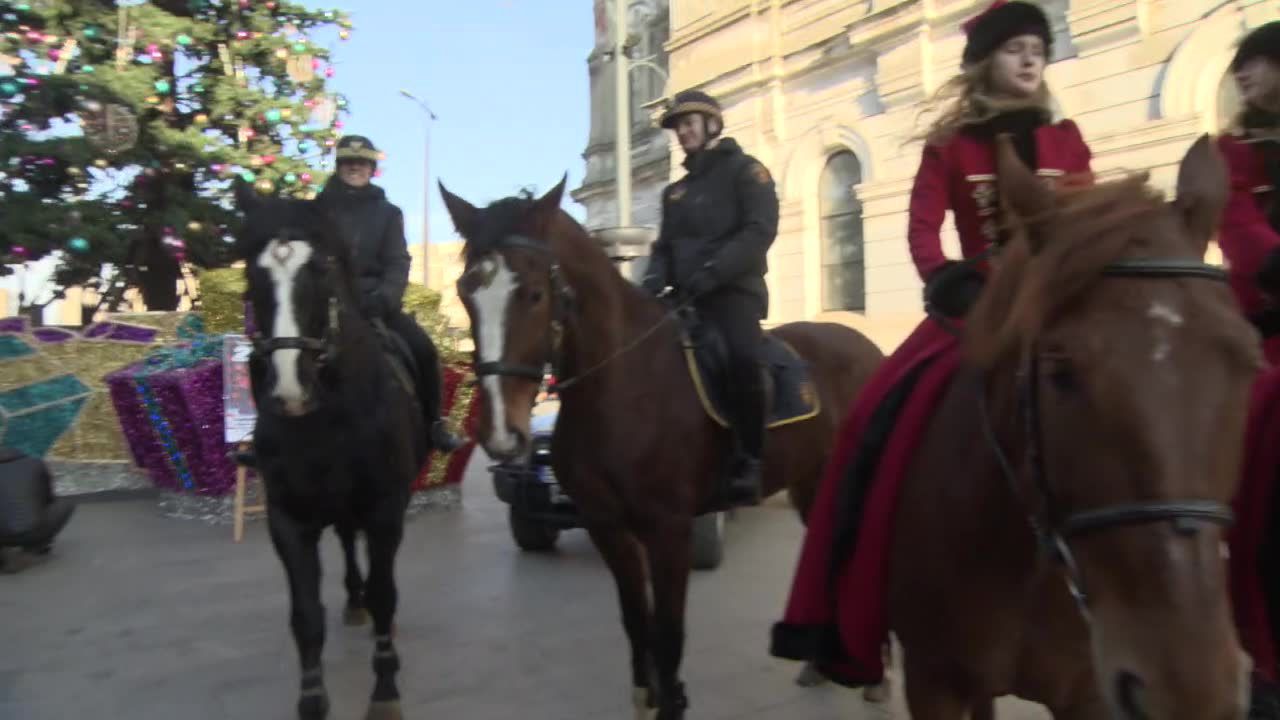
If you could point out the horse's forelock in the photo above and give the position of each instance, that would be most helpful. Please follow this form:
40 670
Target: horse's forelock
1089 229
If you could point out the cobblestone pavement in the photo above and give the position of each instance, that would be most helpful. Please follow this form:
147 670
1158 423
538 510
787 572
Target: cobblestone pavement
140 616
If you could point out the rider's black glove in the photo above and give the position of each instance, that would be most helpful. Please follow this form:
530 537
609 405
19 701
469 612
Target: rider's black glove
953 289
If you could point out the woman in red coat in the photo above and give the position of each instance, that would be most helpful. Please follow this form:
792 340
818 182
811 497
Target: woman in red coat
1000 89
1250 233
1250 240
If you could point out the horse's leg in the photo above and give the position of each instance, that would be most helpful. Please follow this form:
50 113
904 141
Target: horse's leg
622 552
930 696
297 547
383 536
669 560
355 612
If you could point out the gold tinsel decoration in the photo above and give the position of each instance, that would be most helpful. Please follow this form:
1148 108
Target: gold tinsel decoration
222 300
96 434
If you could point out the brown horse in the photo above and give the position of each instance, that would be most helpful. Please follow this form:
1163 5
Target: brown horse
633 446
1076 559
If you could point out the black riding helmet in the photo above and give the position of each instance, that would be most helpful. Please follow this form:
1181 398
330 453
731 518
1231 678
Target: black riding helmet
693 101
358 147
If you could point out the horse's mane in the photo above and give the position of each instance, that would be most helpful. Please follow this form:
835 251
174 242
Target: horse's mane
495 222
1087 229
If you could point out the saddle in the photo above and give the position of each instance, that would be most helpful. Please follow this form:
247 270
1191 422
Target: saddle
790 396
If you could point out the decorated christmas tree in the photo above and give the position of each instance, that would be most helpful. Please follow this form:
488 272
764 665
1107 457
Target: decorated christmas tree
122 125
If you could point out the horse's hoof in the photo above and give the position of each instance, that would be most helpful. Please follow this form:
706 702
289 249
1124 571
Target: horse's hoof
877 693
810 676
355 616
384 710
313 707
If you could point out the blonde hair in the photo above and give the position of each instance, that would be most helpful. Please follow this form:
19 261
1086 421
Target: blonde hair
967 99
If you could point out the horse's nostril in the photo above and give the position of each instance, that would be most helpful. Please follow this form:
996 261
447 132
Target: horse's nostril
1129 695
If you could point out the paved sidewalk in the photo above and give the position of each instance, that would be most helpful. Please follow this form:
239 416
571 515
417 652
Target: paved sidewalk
139 617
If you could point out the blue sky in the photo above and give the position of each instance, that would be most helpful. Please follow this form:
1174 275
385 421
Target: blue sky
507 80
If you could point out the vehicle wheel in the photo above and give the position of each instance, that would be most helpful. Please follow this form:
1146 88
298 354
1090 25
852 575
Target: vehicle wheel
531 535
708 541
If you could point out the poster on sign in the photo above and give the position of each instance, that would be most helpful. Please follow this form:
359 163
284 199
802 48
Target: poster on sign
238 409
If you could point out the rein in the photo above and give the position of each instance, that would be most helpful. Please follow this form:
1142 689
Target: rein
1053 537
564 300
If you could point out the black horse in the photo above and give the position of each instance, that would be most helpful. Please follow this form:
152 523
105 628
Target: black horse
339 437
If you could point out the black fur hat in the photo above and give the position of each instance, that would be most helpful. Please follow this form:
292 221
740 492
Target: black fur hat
1004 20
1263 41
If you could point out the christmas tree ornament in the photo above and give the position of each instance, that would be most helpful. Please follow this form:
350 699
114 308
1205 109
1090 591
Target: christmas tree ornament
290 178
112 128
264 186
194 226
78 245
184 39
272 116
162 86
201 119
19 251
344 34
282 53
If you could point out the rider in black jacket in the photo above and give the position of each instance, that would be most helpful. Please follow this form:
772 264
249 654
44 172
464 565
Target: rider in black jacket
374 229
718 222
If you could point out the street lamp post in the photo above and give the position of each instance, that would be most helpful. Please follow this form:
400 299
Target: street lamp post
426 181
622 109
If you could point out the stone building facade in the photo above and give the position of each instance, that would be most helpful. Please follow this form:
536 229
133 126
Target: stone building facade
828 93
648 24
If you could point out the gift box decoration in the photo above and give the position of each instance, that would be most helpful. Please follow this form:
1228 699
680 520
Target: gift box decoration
170 408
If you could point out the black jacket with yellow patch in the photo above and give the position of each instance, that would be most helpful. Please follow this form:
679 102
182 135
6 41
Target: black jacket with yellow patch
722 216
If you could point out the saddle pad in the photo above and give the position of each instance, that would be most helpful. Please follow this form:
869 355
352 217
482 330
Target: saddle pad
792 396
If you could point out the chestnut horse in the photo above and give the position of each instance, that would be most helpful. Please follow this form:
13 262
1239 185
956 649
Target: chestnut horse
1060 533
633 447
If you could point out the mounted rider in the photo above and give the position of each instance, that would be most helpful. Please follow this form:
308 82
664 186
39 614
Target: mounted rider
373 228
1249 237
718 222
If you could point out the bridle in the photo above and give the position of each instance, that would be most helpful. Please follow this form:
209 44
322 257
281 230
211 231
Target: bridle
563 308
562 301
1052 528
326 346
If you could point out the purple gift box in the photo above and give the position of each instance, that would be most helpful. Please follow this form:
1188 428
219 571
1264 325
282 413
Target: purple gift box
172 421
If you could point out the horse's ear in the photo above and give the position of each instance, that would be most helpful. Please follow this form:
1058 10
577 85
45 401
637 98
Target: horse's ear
246 197
1202 191
550 202
1020 189
462 212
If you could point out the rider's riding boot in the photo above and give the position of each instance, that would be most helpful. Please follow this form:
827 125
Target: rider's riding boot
443 439
1264 702
745 486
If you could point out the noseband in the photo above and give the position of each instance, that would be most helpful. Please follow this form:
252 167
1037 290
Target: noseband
326 345
1052 536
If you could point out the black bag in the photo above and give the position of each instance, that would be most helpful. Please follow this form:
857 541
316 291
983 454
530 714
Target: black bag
30 515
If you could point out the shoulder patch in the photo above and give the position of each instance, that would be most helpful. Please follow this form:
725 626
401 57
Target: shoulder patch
760 173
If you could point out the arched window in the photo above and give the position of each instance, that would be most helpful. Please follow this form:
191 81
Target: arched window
843 264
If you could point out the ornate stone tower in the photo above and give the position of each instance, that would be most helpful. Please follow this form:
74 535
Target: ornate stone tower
648 26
